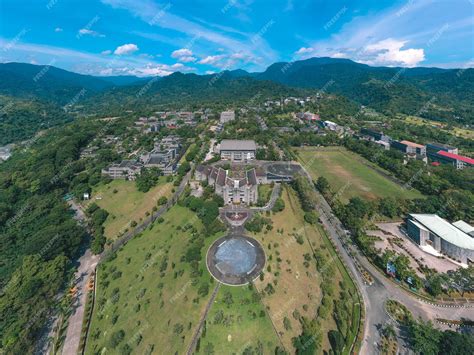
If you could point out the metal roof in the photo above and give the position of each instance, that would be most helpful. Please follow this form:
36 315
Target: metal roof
465 227
445 230
233 144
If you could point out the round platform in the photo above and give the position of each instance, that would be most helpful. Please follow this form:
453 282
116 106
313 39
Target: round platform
235 260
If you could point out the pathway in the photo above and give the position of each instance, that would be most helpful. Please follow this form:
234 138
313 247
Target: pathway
197 334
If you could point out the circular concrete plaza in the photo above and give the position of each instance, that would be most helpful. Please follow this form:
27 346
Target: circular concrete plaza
235 259
284 169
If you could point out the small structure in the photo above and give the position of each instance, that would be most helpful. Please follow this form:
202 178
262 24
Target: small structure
237 150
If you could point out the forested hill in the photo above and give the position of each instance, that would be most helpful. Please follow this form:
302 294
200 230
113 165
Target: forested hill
407 90
182 89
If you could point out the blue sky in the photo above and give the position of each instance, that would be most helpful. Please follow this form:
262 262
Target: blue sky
151 37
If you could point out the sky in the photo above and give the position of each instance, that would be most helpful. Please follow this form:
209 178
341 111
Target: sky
159 37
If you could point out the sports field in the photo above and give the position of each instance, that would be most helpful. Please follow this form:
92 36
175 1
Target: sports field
350 175
126 204
147 300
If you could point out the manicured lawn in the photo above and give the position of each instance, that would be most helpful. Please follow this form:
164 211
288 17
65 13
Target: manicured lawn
158 306
125 203
292 271
349 174
237 321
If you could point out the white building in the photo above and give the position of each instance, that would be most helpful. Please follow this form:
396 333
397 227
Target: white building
227 116
237 150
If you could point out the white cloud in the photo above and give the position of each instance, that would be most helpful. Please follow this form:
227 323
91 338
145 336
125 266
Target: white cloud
209 72
126 49
187 59
87 32
304 50
183 52
212 59
58 29
106 52
390 52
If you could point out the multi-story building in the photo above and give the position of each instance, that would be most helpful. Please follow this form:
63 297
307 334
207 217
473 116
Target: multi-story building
227 116
458 161
374 135
127 169
446 238
433 148
234 190
237 150
411 149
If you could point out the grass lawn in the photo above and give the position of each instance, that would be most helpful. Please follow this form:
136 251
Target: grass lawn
127 204
349 174
457 131
291 269
264 193
148 293
237 321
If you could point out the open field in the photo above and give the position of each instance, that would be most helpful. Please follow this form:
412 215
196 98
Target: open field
237 322
292 271
264 193
125 203
350 175
147 297
457 131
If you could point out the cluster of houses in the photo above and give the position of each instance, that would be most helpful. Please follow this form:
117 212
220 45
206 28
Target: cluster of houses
165 156
437 153
302 101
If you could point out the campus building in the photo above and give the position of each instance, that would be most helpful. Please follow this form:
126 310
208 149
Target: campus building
458 161
446 238
237 150
127 169
433 148
410 149
233 189
227 116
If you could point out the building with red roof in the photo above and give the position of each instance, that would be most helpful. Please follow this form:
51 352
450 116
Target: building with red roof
458 161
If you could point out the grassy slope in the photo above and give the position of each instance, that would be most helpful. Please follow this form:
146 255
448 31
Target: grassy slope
128 203
245 324
349 176
161 307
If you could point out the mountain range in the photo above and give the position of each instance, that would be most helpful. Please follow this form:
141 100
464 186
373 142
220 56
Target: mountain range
434 93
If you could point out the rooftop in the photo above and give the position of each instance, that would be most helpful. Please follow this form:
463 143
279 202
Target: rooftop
412 144
465 227
445 230
440 145
456 156
233 144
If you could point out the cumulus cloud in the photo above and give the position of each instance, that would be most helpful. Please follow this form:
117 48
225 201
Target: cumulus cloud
126 49
390 52
189 59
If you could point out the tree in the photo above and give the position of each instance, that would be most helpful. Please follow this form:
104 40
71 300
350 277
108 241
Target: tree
424 338
337 341
322 184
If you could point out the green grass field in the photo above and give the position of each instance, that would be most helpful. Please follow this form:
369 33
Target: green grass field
264 193
238 322
148 293
350 175
125 203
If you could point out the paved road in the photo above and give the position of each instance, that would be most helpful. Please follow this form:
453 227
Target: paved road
382 289
87 264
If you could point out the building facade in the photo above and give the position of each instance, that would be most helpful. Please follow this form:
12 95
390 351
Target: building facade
127 169
234 190
444 237
237 150
227 116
